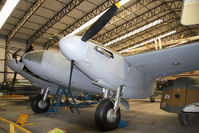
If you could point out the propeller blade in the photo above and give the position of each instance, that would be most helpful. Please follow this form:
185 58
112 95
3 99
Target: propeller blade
101 22
13 82
14 55
27 50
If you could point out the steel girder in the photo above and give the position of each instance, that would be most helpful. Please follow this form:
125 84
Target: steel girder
6 62
175 25
128 41
170 8
69 7
176 36
130 10
82 20
28 14
155 11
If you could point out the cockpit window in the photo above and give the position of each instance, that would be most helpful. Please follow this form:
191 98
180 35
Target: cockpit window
104 52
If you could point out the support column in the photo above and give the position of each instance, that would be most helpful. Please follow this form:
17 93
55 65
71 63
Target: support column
6 62
156 45
160 43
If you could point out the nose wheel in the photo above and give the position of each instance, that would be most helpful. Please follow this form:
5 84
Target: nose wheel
105 116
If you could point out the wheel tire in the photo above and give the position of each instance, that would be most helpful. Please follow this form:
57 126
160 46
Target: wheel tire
152 99
101 116
183 119
35 104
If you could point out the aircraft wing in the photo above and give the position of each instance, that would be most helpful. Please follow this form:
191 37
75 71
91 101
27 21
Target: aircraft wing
167 62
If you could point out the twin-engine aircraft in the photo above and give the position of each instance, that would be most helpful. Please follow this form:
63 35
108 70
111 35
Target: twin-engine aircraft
100 69
124 77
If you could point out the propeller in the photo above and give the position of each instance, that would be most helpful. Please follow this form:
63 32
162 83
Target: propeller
101 22
14 56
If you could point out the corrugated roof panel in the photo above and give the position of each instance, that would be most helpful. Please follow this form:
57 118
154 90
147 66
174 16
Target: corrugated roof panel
25 30
18 13
32 25
22 36
53 31
47 35
52 4
4 32
39 19
24 5
45 12
60 26
77 14
67 20
84 6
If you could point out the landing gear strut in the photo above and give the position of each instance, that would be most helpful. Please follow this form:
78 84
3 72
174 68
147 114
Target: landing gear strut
183 119
107 115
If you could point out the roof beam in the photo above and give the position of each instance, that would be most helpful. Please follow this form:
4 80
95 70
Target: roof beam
124 43
83 20
175 37
169 7
137 20
68 8
29 13
176 26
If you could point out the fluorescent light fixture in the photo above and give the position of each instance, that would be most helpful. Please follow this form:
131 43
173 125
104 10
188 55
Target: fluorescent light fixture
156 38
177 44
7 10
134 32
86 24
122 2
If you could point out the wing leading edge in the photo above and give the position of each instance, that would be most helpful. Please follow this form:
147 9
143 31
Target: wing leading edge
167 62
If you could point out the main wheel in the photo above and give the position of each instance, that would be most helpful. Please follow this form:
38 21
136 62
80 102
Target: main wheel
105 118
152 99
183 119
38 105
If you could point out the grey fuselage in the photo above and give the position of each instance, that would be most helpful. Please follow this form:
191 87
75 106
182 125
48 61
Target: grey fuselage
55 68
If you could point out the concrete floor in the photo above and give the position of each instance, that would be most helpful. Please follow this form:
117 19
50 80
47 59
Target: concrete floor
143 117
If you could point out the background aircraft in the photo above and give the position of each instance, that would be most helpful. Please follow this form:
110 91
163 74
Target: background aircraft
124 77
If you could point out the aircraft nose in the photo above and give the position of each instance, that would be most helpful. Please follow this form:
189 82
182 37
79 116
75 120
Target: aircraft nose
73 47
34 56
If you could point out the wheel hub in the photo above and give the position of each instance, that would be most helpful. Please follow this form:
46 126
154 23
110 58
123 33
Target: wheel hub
111 117
42 104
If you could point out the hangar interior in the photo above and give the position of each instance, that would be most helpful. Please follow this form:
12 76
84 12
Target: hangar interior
138 26
38 21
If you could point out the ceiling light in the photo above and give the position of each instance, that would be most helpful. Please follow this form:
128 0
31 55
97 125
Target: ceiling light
122 2
134 32
7 10
156 38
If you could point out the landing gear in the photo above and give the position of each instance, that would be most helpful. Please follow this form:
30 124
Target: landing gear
105 118
107 115
152 99
39 105
183 119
